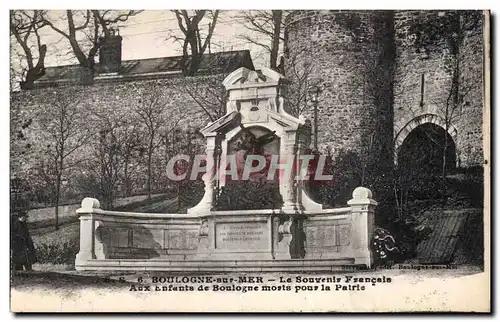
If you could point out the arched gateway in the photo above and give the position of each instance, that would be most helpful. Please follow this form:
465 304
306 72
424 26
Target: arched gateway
418 121
297 235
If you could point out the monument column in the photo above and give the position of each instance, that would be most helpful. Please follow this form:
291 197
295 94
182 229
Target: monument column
206 203
287 171
363 218
303 141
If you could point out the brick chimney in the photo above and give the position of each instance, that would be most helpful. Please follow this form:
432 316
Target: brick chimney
110 52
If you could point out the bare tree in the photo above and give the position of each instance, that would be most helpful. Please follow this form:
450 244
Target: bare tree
151 111
299 72
207 91
62 127
266 30
194 42
93 25
114 153
105 165
130 151
24 27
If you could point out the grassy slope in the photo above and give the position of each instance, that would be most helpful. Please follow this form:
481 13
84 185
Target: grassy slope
51 243
43 231
44 217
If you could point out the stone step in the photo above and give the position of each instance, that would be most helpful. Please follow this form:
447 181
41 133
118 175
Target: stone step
292 265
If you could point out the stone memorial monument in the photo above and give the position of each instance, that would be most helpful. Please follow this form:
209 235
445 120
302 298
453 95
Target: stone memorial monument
294 234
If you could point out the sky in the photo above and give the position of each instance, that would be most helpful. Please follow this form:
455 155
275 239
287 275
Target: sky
145 36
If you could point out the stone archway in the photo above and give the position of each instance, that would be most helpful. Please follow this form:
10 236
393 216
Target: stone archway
416 122
426 156
423 150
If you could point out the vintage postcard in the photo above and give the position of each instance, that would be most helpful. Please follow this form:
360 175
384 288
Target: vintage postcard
250 161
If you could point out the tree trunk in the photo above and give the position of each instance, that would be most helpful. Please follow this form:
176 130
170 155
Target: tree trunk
107 193
110 194
150 157
58 192
127 180
277 16
37 71
195 65
178 196
449 111
443 169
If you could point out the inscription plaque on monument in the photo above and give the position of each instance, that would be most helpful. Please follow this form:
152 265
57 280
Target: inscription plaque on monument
119 237
181 239
241 235
343 235
321 236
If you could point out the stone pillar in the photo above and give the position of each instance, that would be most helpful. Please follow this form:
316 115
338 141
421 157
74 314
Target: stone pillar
287 181
362 217
87 231
206 203
303 142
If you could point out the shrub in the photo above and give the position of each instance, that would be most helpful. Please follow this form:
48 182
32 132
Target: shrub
57 253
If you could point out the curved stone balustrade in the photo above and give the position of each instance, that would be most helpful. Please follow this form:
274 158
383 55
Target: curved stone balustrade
326 237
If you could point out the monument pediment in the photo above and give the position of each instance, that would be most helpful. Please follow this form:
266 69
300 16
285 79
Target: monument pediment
244 77
254 100
255 110
223 124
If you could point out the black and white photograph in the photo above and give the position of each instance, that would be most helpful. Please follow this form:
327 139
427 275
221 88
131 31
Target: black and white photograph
249 160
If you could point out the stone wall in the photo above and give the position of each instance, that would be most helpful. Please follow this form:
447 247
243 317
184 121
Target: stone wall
351 55
124 96
116 100
432 65
371 75
470 138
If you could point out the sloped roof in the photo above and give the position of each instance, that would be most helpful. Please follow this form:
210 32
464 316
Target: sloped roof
215 63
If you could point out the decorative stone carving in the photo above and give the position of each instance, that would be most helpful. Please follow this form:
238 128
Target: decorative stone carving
285 227
204 228
100 245
285 231
271 106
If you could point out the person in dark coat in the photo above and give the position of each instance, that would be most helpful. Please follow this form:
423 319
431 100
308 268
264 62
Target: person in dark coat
22 248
